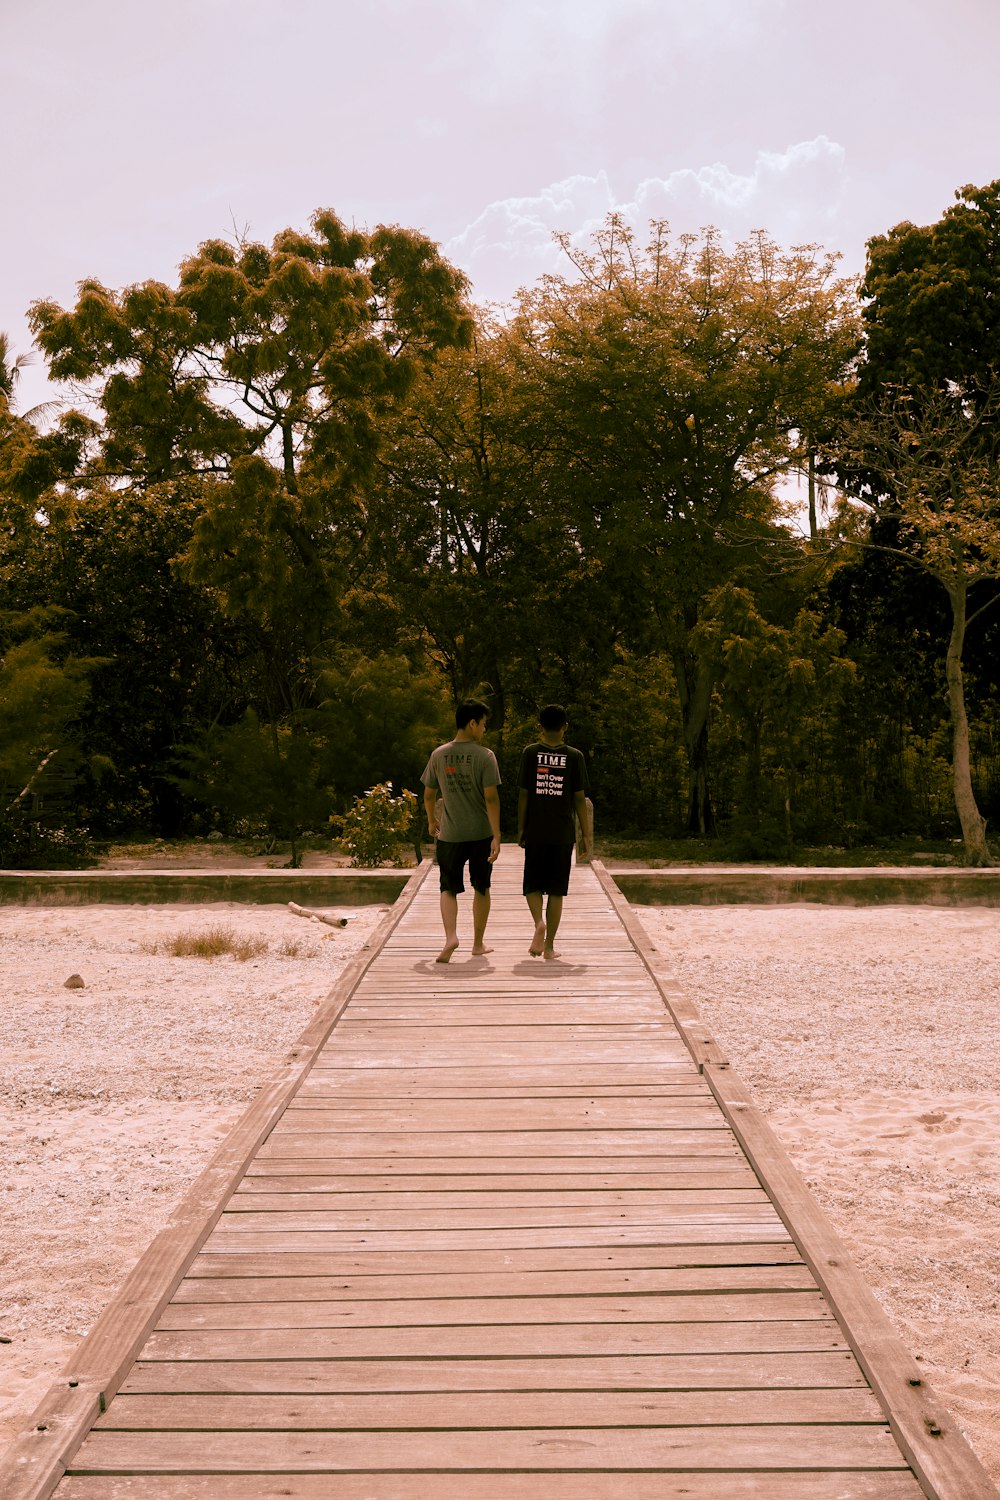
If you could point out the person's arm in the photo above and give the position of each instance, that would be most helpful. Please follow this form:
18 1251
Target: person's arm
522 808
430 808
583 813
492 797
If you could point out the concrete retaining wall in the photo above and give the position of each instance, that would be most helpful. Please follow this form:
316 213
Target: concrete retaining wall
159 887
690 886
868 887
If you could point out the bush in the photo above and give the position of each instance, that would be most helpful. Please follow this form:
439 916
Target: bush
377 825
27 844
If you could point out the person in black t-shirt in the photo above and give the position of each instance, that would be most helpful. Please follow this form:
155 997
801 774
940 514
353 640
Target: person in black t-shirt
553 786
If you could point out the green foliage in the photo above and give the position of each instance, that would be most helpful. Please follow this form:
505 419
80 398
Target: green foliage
269 369
920 450
42 691
377 716
169 661
373 830
632 727
785 687
931 311
40 694
261 774
315 512
678 382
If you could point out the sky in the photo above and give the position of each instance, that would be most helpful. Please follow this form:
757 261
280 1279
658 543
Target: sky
136 129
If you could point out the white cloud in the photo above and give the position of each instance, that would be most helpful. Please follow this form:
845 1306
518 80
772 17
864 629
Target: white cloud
511 242
794 194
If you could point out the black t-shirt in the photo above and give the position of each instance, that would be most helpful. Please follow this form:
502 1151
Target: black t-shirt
551 775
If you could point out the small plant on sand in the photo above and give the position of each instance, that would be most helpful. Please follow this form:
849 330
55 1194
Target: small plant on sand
295 948
378 825
210 942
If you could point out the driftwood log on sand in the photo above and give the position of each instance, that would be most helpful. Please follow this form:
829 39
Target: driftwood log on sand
316 916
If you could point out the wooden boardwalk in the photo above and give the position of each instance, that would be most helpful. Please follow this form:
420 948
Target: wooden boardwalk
503 1236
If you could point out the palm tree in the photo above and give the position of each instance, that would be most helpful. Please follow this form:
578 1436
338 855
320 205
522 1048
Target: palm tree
11 366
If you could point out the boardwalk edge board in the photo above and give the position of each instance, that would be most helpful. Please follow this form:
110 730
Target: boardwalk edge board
39 1458
925 1430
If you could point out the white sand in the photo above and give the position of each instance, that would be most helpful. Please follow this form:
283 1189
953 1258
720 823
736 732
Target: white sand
113 1097
870 1037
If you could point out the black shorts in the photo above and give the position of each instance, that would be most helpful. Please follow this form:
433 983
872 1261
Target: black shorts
546 869
452 859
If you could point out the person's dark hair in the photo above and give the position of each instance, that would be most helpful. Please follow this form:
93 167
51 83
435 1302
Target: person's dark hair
552 717
470 710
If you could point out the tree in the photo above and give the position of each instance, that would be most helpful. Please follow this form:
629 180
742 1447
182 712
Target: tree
171 660
263 775
919 449
932 468
11 367
776 681
266 374
267 370
931 311
477 558
676 384
378 715
43 682
42 690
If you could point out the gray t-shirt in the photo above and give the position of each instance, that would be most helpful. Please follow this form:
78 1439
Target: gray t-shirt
459 771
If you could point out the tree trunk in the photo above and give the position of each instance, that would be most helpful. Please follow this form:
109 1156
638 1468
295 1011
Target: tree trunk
288 458
977 850
701 815
694 689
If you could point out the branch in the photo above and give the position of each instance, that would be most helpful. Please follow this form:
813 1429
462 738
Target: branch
32 780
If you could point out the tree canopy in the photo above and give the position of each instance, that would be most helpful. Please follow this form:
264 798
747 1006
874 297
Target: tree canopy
302 499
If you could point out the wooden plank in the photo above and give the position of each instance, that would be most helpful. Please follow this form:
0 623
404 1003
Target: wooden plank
624 1019
469 1312
498 1340
750 1370
833 1485
509 1114
373 1038
488 1410
386 1220
373 1052
288 1139
377 1095
326 1288
567 1449
295 1194
493 1259
719 1154
473 1077
528 1187
37 1459
232 1240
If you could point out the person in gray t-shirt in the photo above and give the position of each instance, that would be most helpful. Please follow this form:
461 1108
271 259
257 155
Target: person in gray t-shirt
463 815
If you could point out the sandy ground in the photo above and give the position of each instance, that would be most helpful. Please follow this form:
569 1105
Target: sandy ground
870 1037
113 1097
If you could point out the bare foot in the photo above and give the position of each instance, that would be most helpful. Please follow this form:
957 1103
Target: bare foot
551 953
538 941
480 950
447 951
